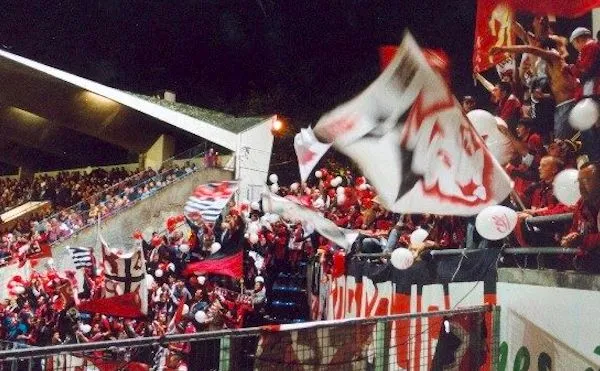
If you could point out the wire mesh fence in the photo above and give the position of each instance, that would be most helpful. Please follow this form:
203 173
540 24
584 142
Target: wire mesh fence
461 339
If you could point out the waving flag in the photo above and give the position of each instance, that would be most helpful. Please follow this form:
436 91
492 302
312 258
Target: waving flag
208 200
226 265
411 139
125 293
290 210
309 151
82 256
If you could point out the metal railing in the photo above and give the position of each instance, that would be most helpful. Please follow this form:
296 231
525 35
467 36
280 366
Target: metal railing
80 216
465 338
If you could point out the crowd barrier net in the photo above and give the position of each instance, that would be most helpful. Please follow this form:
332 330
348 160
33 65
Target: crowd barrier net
460 339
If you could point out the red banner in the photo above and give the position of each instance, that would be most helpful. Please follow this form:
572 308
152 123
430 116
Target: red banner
494 23
493 27
232 266
127 305
562 8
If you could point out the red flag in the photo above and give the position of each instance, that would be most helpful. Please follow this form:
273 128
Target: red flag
493 27
494 23
562 8
232 266
127 305
177 316
39 250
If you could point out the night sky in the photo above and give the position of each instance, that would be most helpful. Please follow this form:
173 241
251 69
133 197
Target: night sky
298 58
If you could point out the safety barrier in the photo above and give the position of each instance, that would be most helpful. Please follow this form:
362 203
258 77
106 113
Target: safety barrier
462 339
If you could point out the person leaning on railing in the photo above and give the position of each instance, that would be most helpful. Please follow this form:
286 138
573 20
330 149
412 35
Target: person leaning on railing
584 231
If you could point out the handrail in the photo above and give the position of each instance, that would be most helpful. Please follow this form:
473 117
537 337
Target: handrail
40 352
557 218
508 250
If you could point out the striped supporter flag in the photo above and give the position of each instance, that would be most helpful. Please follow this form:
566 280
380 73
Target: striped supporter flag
208 200
82 256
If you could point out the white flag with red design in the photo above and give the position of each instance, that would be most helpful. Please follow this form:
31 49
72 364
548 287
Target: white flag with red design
411 139
124 293
309 151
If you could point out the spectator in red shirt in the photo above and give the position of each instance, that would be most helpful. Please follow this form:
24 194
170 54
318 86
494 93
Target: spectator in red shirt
509 106
584 229
540 197
587 66
529 149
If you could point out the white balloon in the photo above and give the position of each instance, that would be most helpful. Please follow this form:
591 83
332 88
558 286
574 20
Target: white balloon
339 190
584 115
318 174
253 238
402 258
294 187
273 178
496 222
274 187
341 198
255 206
185 310
158 273
184 248
336 181
215 247
566 187
19 290
418 236
85 328
363 187
201 316
318 203
486 125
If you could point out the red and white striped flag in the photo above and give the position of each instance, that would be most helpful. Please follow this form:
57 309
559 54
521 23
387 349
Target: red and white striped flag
208 200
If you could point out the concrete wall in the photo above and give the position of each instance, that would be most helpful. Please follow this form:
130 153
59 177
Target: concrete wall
548 318
148 215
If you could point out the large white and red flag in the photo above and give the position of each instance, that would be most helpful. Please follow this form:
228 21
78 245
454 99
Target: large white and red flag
124 293
411 139
309 151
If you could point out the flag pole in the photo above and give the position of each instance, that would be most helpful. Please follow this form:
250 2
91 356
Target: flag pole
515 196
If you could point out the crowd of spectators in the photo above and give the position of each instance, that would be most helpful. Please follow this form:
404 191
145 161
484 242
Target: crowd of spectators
535 103
76 200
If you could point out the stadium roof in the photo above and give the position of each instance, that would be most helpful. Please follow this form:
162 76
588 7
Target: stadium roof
51 118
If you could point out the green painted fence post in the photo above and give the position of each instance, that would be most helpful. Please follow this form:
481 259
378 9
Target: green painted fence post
225 354
496 338
382 352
